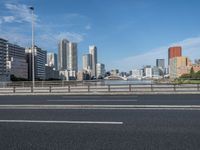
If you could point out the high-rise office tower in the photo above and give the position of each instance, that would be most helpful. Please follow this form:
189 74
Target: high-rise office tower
40 61
87 62
72 59
3 71
93 52
15 51
16 61
63 48
160 63
174 52
52 60
67 55
156 72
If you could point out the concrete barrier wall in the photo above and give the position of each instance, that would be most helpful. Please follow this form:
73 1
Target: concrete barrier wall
67 89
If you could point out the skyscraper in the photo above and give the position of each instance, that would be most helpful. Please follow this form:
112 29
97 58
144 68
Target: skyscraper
67 55
16 61
100 70
160 63
63 48
40 61
87 62
93 52
52 60
174 52
3 72
72 59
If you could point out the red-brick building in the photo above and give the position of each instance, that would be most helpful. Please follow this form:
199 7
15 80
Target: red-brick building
175 51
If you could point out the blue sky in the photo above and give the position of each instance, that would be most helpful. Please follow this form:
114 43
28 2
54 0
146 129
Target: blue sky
128 33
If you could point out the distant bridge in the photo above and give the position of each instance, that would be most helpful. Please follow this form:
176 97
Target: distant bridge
115 77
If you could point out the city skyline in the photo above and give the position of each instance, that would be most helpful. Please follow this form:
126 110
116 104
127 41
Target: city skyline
111 28
45 64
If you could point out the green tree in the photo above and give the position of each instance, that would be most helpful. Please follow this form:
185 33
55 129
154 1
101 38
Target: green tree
192 73
14 78
185 76
197 75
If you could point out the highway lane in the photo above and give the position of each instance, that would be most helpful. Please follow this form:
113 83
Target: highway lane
103 100
161 122
141 129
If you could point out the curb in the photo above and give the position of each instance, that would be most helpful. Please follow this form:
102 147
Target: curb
100 94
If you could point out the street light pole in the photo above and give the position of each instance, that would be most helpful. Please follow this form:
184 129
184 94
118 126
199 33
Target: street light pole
33 48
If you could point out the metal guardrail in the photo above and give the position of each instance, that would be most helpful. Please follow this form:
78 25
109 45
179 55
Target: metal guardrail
131 88
57 83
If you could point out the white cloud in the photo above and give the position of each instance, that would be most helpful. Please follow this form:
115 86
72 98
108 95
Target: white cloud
8 19
72 36
71 16
20 13
190 46
50 40
76 20
45 36
88 27
17 38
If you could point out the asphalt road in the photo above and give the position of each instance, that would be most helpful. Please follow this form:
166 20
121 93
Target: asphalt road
100 129
104 100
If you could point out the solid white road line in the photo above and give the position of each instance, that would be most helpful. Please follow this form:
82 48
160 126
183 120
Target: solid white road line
61 122
132 96
117 106
107 107
76 100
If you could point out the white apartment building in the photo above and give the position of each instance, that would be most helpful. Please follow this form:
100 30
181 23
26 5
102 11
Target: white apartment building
100 70
87 62
93 52
137 73
67 56
72 57
52 60
148 72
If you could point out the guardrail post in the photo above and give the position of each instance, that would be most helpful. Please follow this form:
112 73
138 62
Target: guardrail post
69 88
14 89
174 87
108 88
88 88
129 87
49 89
198 87
151 87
